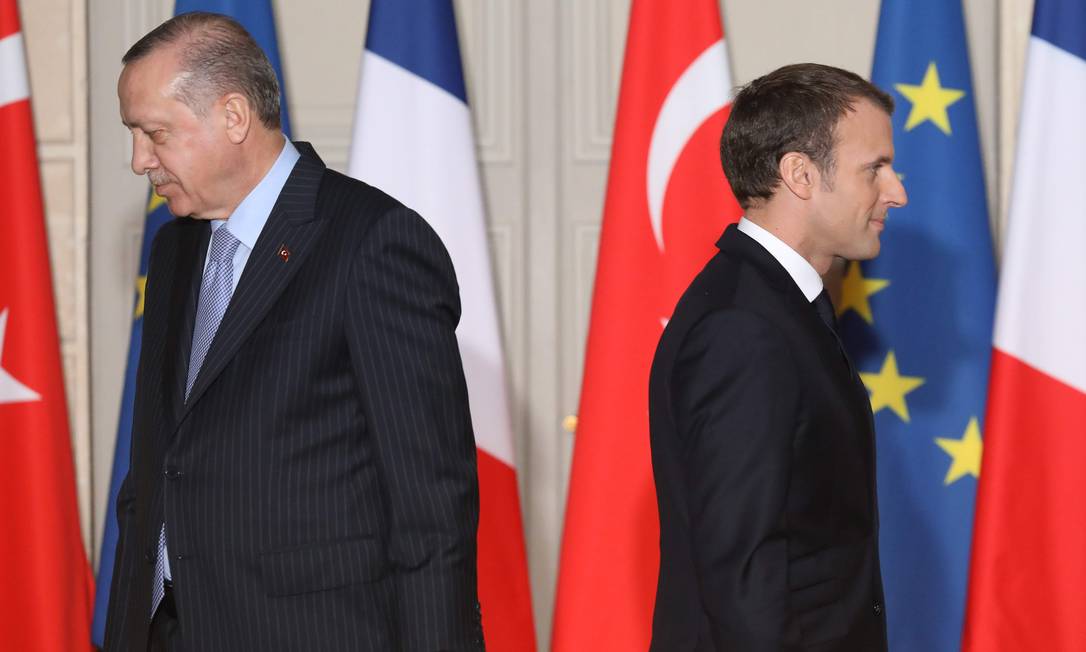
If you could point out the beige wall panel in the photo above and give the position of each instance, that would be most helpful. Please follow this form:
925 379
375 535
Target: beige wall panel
541 121
490 38
981 20
1015 22
55 35
596 33
58 189
765 35
52 66
320 45
58 186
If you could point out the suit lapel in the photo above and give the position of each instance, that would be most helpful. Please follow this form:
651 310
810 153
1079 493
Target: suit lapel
193 239
292 223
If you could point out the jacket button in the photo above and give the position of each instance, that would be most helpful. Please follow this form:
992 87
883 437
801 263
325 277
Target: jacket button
172 472
877 608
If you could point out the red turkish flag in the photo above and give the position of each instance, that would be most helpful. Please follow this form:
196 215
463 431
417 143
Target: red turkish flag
667 203
45 581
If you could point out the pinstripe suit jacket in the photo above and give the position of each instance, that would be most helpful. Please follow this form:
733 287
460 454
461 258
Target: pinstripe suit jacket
319 484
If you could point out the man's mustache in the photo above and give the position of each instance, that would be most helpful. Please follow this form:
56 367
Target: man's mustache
159 178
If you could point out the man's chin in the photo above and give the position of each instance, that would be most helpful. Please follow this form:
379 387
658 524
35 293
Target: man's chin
178 208
873 250
870 251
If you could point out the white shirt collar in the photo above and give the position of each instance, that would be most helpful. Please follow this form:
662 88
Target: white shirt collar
801 271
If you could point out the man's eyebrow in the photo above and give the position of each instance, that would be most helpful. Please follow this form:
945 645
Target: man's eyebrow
882 160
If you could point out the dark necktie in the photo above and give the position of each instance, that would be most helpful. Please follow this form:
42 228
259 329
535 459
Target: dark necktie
824 306
825 310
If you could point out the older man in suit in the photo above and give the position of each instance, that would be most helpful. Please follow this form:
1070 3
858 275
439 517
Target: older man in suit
303 468
762 437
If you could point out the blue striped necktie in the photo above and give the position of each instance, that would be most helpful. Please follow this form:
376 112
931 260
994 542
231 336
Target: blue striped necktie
215 292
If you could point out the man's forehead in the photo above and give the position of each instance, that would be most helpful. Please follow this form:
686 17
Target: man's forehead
158 66
146 80
865 117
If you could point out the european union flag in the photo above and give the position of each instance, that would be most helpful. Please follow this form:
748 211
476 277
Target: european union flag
258 19
918 322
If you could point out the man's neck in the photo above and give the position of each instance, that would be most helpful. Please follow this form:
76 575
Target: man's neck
257 161
790 228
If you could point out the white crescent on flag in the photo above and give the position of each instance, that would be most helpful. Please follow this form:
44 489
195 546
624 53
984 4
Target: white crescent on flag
13 82
11 390
699 92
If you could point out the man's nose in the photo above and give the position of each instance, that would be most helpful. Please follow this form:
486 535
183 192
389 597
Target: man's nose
143 155
895 194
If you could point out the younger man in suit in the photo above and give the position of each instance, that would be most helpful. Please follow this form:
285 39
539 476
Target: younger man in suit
303 467
761 431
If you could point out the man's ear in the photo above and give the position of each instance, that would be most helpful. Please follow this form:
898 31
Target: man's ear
239 117
799 174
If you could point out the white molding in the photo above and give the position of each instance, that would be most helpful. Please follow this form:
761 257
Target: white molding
490 39
1015 22
595 38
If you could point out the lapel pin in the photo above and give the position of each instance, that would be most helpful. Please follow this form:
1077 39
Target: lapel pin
284 253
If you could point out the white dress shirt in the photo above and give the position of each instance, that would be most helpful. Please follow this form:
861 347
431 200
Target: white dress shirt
801 271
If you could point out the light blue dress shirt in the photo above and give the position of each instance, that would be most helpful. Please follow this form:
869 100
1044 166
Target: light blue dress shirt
248 219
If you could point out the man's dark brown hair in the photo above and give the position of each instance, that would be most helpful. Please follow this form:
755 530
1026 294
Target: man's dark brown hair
792 109
217 57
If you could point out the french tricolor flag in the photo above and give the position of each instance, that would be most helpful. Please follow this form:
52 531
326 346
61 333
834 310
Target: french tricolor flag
413 139
1029 545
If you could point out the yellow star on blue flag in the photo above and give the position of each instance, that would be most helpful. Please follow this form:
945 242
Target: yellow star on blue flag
964 453
930 100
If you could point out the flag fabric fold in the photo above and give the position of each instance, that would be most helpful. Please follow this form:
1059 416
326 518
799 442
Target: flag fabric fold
413 139
258 19
45 581
1028 566
667 203
917 321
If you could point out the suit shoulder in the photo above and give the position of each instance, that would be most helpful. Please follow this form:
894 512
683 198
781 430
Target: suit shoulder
739 333
373 214
347 193
722 313
713 288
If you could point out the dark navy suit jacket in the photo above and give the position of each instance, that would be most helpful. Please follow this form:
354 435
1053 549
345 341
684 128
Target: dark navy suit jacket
319 484
764 461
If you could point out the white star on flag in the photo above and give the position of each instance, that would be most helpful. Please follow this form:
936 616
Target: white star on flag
11 390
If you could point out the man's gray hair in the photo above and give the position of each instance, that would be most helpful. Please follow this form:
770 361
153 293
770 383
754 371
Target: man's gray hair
217 56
